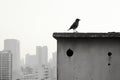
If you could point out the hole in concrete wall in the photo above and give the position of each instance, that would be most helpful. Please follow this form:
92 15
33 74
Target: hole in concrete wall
69 52
109 64
109 54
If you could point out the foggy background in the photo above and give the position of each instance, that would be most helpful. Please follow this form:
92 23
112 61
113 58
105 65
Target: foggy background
34 21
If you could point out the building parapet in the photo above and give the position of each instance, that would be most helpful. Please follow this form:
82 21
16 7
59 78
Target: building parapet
87 35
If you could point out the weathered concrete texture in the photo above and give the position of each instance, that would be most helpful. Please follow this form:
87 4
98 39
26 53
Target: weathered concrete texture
90 57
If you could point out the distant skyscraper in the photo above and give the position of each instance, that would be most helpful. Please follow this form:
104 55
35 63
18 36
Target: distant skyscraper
42 54
14 46
42 57
53 66
38 55
30 60
5 65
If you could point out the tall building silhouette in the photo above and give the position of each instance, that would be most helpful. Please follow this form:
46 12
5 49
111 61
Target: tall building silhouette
14 46
38 55
42 57
42 54
53 66
5 65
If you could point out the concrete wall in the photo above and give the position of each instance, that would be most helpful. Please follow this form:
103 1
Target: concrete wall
89 60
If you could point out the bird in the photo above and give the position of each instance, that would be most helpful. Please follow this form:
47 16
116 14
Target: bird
74 25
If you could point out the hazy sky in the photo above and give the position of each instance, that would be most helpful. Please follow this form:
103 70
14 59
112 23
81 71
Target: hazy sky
34 21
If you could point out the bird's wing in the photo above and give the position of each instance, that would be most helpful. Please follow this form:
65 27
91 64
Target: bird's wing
72 26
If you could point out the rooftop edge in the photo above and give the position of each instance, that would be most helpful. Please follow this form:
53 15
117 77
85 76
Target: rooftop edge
86 35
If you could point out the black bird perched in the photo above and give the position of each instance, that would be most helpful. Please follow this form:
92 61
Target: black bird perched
75 24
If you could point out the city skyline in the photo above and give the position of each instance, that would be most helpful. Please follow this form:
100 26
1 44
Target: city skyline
14 46
35 67
7 47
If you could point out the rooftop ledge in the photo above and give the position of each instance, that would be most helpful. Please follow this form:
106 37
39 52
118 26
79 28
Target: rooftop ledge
86 35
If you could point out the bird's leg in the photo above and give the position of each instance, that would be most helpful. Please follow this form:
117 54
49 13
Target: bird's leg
75 31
